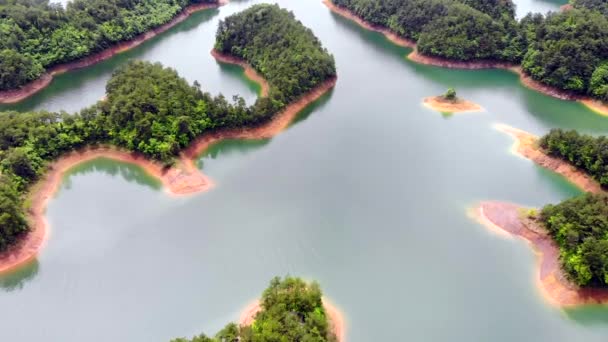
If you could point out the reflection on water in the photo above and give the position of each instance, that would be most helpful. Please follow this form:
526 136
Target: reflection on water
312 107
16 279
238 72
129 172
76 80
228 147
589 315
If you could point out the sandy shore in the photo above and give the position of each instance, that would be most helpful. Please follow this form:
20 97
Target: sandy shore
551 280
184 178
16 95
336 319
592 104
440 104
526 146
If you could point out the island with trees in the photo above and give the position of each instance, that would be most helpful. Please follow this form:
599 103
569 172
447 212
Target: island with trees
571 237
40 38
290 310
152 117
560 54
538 150
451 103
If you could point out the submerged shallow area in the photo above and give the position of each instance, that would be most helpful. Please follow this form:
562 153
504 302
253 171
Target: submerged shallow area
366 193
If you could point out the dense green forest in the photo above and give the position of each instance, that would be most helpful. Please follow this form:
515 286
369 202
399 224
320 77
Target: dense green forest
292 310
580 225
279 47
580 228
566 50
151 110
586 152
595 5
38 34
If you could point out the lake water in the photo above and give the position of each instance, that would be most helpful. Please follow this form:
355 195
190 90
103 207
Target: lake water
367 193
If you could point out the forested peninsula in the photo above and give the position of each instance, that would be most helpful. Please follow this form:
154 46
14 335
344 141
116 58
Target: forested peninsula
561 54
152 117
290 310
572 236
39 39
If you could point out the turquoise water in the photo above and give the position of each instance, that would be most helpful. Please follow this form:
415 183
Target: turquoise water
366 192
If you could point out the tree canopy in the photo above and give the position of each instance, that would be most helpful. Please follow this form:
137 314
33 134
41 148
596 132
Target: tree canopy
566 50
151 110
37 34
291 310
580 228
279 47
586 152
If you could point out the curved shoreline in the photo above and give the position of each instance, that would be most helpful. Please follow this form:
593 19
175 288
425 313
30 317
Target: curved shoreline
525 145
589 102
390 35
184 178
17 95
249 71
551 281
337 323
440 104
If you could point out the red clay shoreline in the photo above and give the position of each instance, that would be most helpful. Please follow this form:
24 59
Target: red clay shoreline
593 104
335 316
552 282
16 95
526 145
184 178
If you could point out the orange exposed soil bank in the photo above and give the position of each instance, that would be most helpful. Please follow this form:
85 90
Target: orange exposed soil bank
440 104
526 146
16 95
249 71
594 105
181 179
552 282
336 319
453 64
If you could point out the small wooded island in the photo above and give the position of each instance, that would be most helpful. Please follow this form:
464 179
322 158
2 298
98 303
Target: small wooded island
290 310
572 236
561 54
152 117
451 103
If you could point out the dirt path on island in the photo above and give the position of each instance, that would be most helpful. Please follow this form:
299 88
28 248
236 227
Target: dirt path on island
337 323
593 104
525 145
184 178
551 280
17 95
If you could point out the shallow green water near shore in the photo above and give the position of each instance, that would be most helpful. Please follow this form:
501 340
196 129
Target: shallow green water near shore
367 193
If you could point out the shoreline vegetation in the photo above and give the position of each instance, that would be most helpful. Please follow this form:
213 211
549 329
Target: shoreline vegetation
569 237
507 218
335 318
160 133
526 145
182 179
290 309
450 103
34 86
594 105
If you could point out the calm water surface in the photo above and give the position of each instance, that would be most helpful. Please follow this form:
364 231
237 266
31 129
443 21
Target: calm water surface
367 193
